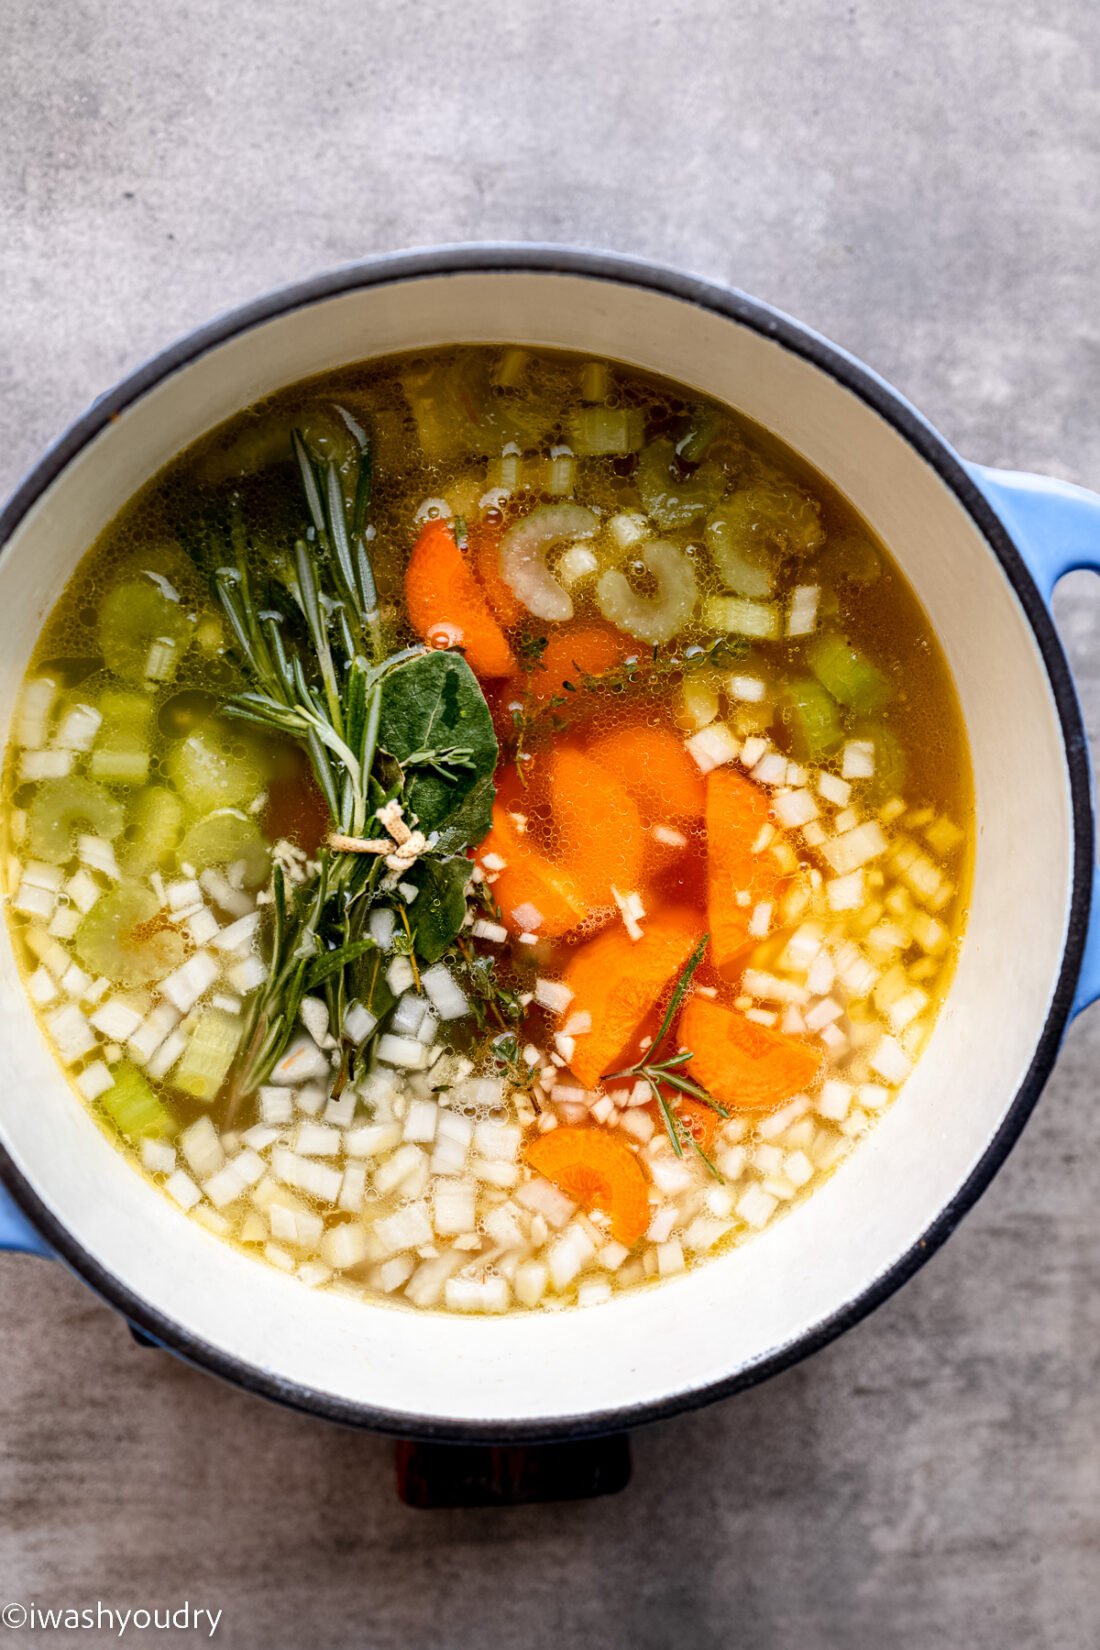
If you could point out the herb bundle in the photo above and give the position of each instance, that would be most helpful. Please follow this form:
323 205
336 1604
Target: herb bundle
405 735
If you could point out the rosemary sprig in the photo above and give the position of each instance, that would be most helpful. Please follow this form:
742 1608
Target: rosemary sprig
666 1074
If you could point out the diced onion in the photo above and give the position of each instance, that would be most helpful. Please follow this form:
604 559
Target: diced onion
447 997
712 747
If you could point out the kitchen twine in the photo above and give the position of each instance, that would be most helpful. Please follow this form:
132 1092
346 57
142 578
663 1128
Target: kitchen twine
99 1617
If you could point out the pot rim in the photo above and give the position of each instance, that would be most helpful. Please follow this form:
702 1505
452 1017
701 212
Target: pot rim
736 306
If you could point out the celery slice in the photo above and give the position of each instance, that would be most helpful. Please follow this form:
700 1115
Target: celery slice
122 937
741 617
223 838
143 631
744 562
595 381
670 497
775 515
215 768
890 761
811 718
508 373
60 808
595 432
848 675
700 435
121 755
133 1107
120 763
208 1056
156 824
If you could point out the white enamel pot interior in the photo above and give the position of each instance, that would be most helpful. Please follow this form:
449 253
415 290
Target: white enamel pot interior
655 1350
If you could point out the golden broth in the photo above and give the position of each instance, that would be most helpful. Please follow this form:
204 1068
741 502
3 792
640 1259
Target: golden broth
186 808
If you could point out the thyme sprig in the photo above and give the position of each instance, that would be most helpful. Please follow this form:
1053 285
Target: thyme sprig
667 1073
532 715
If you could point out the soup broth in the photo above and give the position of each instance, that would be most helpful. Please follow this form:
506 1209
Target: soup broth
487 829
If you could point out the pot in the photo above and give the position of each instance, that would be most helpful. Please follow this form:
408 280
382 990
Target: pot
983 550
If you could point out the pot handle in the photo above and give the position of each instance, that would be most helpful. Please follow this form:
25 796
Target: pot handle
1056 528
17 1234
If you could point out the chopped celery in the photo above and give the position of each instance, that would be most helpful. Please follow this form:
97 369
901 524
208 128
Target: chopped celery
699 436
133 1107
744 563
505 471
224 837
120 763
125 709
850 677
774 517
458 410
742 617
600 431
208 1056
890 761
811 718
654 619
595 381
62 808
557 475
848 558
154 830
143 630
670 497
215 767
121 755
127 937
510 369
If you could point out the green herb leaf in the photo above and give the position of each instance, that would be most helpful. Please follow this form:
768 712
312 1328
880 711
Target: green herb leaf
433 703
440 908
333 961
679 992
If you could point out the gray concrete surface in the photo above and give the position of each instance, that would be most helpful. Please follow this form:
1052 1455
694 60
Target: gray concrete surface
920 182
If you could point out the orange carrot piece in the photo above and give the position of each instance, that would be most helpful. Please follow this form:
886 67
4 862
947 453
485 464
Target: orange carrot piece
483 546
744 1065
582 650
619 981
447 607
529 879
596 1170
656 769
602 841
737 810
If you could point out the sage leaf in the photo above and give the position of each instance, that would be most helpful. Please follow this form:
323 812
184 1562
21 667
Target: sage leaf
440 908
433 704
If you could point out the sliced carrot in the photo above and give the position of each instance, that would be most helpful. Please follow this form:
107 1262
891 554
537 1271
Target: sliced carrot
744 1065
656 769
581 650
619 981
529 883
483 547
739 873
447 606
597 1171
602 841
